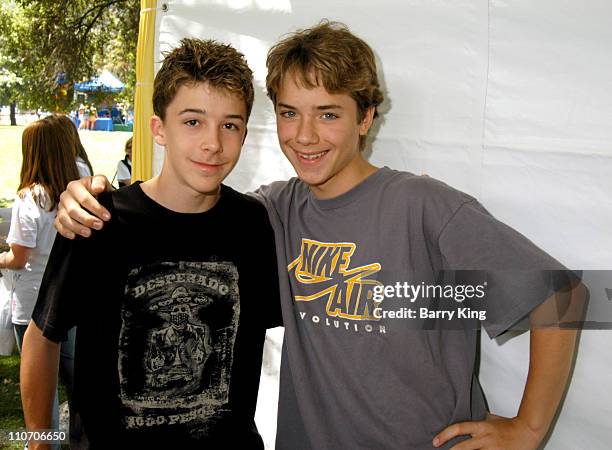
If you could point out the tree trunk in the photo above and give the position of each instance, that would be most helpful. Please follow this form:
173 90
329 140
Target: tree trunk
13 114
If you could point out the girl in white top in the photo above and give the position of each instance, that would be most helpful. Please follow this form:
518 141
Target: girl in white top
30 237
48 165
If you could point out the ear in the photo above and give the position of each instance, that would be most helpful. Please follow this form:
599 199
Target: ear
157 130
366 122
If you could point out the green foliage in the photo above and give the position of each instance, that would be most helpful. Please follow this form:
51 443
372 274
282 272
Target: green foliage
11 417
11 414
9 83
48 45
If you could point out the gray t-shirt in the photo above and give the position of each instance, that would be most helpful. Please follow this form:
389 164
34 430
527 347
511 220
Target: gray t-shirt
350 380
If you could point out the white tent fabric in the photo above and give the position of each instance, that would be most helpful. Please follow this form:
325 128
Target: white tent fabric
510 101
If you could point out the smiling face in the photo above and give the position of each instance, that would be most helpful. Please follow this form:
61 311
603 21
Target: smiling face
203 131
319 134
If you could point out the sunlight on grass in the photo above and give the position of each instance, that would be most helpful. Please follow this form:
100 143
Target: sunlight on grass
10 160
11 417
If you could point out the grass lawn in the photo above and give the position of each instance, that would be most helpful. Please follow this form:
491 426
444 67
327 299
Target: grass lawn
10 403
11 417
104 148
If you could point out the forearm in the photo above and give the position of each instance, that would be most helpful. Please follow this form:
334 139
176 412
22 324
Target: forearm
38 378
16 258
7 261
550 360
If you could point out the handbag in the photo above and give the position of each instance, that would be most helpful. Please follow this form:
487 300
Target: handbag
7 333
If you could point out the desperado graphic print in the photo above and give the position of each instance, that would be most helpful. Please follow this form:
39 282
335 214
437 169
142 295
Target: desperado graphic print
178 327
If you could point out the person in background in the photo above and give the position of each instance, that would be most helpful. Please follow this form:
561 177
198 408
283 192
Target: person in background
84 117
93 115
124 167
122 112
48 165
82 160
115 114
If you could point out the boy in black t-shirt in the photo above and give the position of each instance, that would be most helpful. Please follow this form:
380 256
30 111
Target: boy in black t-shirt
170 339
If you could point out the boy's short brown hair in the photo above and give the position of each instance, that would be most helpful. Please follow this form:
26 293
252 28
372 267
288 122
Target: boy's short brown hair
328 55
202 61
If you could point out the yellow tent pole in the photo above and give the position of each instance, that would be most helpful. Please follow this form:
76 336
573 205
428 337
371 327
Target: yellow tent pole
142 156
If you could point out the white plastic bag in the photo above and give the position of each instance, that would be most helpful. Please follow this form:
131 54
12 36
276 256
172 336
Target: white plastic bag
7 335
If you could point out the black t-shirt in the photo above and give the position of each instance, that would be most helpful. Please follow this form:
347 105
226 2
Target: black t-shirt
171 311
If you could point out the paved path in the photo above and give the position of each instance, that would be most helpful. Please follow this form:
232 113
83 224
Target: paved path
5 223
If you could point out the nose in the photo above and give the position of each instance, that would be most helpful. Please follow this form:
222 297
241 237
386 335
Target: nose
212 141
307 133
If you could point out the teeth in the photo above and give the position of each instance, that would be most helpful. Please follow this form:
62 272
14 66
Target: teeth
313 156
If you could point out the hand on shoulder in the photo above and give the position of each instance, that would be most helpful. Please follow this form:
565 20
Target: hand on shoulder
79 211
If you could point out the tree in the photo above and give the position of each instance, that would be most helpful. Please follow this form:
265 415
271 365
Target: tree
9 86
51 44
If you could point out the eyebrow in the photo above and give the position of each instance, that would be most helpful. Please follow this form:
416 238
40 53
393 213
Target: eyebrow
203 112
320 108
329 107
192 110
235 116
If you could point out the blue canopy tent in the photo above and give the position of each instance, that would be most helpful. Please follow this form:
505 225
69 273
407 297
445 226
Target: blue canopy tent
106 82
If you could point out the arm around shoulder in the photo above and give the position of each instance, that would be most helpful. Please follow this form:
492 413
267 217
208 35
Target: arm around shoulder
79 211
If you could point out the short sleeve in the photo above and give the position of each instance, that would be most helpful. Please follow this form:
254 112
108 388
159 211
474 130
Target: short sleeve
24 222
519 274
263 273
270 265
123 172
278 196
270 196
83 168
263 196
55 310
71 271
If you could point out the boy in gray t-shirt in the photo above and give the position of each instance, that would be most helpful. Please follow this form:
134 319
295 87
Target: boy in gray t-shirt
358 371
